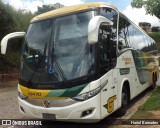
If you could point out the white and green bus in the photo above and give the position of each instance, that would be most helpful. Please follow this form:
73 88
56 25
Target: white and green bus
83 62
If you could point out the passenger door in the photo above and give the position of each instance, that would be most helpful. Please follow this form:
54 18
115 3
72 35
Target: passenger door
106 62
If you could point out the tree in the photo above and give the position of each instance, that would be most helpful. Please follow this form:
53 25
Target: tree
151 6
12 20
22 18
155 29
44 8
6 19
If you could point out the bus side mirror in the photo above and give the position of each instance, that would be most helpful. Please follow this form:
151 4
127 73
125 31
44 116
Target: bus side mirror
5 40
93 27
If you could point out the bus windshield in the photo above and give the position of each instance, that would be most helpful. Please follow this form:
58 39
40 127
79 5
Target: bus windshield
57 49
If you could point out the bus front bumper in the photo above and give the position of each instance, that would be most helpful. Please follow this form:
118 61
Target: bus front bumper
84 111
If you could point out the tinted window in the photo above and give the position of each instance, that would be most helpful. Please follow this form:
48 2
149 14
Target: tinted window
107 42
111 15
123 32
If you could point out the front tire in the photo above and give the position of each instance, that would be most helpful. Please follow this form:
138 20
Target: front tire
124 103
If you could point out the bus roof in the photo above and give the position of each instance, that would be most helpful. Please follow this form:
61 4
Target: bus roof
71 9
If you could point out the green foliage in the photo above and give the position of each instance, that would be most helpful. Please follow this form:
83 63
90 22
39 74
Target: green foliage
11 21
22 19
6 19
9 62
153 103
43 9
151 6
155 29
156 37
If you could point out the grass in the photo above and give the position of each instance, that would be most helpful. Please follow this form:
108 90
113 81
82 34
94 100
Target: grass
152 104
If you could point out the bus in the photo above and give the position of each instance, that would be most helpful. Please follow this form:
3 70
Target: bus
82 63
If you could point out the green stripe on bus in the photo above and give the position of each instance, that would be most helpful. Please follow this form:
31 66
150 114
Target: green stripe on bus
70 92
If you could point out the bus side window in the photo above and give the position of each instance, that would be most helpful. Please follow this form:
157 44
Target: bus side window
103 46
104 55
112 15
123 33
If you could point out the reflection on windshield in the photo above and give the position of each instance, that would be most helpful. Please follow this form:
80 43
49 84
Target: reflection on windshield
56 48
35 53
39 34
70 45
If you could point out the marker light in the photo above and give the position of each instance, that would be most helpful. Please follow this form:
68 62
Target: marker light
22 96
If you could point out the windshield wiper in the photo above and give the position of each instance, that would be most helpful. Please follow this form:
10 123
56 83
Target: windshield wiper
54 59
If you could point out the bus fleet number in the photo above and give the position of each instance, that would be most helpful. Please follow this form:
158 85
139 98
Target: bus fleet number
34 94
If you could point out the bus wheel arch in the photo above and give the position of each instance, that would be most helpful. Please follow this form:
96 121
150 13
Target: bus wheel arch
125 98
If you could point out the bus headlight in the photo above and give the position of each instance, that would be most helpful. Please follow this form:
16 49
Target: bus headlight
22 96
87 95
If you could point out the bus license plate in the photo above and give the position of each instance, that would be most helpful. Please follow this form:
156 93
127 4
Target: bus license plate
49 116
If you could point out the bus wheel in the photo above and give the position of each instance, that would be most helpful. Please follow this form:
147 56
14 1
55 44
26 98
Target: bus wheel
153 82
124 105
